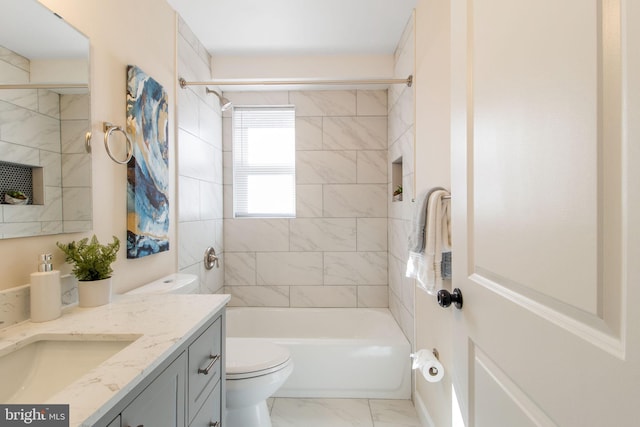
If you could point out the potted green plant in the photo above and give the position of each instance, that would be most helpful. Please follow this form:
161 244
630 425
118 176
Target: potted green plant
397 194
92 267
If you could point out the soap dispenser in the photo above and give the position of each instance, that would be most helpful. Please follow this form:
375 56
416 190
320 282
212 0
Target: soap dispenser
46 295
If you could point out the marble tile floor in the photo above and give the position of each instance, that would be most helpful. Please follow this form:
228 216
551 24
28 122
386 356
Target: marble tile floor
287 412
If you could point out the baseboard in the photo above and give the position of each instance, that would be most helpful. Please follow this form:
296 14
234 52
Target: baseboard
423 413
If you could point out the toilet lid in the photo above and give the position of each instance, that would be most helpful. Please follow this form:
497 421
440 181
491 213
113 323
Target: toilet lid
246 356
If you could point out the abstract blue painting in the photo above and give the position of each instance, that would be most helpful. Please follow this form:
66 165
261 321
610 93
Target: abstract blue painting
148 169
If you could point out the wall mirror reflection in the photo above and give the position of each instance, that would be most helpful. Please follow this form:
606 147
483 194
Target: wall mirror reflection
45 169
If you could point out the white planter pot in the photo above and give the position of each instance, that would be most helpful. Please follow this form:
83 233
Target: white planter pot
94 293
15 201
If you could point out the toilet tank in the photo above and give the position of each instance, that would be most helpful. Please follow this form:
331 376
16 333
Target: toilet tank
176 283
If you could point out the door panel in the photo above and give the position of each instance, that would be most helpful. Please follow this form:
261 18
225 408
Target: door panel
540 186
539 212
495 393
535 104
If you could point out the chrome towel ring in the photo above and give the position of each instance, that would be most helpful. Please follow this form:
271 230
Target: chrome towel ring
87 141
108 128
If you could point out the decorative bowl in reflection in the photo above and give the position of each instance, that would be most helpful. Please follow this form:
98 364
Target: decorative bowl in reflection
15 201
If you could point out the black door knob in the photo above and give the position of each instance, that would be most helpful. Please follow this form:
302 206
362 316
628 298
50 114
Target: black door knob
445 298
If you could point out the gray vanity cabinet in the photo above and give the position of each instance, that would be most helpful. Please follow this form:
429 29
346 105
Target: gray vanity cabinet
187 391
205 358
211 411
161 404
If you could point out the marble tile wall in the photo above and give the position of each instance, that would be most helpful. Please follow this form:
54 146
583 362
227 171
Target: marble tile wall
199 151
76 163
401 146
334 253
42 129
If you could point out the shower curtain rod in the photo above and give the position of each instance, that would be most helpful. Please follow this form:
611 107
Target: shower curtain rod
45 86
183 83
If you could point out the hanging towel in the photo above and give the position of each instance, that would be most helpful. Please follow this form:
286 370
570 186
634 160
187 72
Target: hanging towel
446 265
437 240
416 238
446 239
416 267
418 261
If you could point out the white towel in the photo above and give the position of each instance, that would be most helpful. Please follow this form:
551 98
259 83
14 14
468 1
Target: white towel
416 263
437 240
416 238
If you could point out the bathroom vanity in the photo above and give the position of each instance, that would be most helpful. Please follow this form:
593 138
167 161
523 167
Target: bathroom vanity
189 388
167 368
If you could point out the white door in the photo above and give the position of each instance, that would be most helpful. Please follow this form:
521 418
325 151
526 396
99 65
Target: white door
546 211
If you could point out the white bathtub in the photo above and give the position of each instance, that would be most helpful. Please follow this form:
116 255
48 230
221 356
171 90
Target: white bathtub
337 352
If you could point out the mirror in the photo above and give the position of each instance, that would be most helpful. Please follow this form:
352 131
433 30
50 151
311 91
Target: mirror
44 119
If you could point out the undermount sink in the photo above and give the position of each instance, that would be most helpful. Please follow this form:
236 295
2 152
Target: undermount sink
35 371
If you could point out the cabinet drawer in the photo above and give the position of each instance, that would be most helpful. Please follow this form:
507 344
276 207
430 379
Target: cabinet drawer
210 412
205 362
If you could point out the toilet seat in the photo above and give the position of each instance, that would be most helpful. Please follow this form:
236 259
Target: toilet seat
247 358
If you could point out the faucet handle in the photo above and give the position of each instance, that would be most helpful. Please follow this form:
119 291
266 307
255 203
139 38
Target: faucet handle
210 258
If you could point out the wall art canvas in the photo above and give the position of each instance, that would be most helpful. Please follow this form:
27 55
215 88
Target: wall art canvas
148 169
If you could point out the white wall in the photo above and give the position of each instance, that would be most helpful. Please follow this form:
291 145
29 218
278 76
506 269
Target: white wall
302 67
59 70
433 324
121 32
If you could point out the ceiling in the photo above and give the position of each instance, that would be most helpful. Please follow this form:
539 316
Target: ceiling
296 27
32 30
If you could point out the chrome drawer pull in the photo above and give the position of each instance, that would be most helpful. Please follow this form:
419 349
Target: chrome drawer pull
213 361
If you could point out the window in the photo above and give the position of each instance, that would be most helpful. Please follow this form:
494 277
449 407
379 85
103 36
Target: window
264 162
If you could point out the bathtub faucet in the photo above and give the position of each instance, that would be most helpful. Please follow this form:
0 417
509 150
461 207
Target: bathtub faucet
210 258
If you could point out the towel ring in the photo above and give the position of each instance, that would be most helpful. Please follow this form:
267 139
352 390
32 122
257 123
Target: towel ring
108 128
87 141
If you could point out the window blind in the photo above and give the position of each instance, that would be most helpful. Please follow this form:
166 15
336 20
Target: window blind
264 161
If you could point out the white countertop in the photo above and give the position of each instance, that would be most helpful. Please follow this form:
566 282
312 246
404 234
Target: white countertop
162 322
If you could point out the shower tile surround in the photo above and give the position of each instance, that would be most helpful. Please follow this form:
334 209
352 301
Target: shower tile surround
199 152
334 253
50 133
401 146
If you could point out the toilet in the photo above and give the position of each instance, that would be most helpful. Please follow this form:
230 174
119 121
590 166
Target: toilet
255 368
178 283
